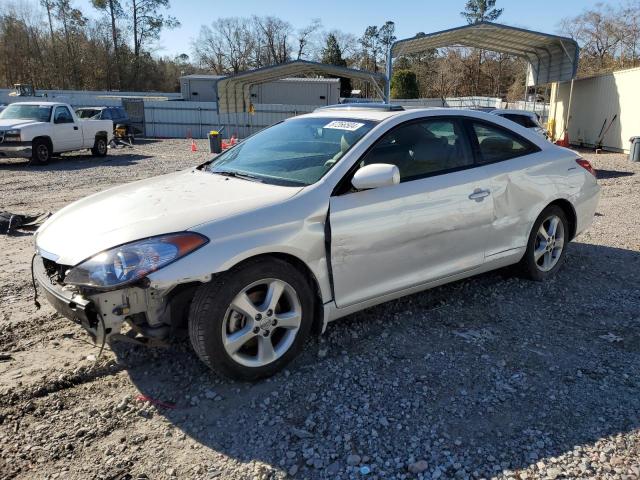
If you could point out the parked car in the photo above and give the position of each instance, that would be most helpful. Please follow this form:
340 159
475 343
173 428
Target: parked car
38 130
123 127
529 120
312 219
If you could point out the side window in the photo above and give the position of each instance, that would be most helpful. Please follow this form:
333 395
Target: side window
62 115
496 144
523 120
106 114
423 148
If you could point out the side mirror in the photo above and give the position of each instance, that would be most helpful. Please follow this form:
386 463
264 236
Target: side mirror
376 175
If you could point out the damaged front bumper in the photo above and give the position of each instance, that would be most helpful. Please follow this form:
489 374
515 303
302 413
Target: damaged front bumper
103 314
15 149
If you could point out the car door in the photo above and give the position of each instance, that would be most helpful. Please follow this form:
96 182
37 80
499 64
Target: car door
66 132
512 163
431 225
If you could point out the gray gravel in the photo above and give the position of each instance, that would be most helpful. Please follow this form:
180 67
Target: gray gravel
488 377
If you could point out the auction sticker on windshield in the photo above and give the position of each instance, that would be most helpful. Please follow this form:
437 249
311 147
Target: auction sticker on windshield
342 125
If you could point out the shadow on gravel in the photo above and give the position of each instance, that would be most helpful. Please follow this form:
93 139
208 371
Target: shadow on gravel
607 174
484 375
121 158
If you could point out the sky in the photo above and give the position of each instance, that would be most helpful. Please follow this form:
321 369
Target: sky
410 16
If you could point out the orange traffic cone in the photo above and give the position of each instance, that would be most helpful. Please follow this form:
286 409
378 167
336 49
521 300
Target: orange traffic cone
194 148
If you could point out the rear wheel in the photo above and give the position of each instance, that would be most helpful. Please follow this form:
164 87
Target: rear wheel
547 244
41 152
249 323
99 147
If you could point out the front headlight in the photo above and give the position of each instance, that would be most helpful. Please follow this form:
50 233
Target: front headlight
13 133
133 261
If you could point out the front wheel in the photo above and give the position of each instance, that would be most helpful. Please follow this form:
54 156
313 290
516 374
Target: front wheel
250 322
547 245
99 147
41 152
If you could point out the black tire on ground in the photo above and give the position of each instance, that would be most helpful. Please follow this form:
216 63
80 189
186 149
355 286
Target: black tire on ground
99 148
41 151
528 266
210 304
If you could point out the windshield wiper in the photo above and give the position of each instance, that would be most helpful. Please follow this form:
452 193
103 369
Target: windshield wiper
235 174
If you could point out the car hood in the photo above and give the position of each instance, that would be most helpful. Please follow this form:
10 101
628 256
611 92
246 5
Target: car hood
165 204
9 123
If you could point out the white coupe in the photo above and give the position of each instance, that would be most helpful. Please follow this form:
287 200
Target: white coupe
312 219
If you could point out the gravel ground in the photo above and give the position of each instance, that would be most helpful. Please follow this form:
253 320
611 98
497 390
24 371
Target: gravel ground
488 377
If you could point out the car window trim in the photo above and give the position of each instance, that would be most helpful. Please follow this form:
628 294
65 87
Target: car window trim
340 188
473 137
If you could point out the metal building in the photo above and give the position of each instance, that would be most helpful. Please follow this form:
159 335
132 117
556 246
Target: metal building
604 109
292 91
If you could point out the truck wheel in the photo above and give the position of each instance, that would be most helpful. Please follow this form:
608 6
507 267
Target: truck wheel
41 152
99 147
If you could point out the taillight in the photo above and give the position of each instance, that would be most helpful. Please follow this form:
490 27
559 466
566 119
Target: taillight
587 166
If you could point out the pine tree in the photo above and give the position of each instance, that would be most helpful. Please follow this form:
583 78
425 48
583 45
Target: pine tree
404 84
476 11
332 55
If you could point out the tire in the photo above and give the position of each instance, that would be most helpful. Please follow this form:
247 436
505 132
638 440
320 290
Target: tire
99 148
544 258
236 344
41 152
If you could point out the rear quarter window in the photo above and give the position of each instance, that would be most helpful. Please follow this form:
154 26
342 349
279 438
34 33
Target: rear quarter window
496 144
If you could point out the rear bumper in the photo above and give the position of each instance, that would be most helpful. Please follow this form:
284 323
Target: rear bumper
15 149
585 206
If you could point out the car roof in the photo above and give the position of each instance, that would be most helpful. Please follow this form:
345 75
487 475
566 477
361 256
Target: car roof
379 115
499 111
48 104
369 113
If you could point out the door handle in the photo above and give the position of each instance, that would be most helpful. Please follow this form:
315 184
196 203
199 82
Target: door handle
75 128
479 195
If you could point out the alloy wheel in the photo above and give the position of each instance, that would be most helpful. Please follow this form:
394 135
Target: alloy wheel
549 243
262 322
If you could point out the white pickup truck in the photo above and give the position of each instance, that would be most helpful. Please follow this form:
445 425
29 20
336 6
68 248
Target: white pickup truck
38 130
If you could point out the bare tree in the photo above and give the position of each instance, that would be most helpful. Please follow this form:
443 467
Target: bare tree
227 46
305 37
272 36
599 33
115 11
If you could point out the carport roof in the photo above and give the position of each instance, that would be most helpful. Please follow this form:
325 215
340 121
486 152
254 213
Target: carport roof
551 58
234 92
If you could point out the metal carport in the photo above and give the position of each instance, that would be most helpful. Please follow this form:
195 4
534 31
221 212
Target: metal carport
551 58
234 92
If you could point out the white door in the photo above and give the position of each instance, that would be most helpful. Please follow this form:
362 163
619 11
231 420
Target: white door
66 133
434 224
507 158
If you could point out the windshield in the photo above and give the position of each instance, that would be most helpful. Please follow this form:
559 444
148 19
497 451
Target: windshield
87 113
39 113
295 152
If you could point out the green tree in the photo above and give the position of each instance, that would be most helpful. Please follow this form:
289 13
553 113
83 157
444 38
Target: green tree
332 55
476 11
114 10
404 84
